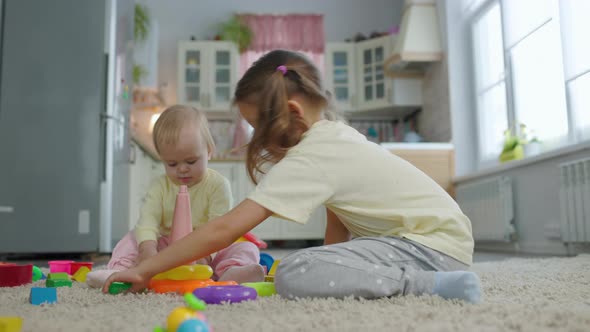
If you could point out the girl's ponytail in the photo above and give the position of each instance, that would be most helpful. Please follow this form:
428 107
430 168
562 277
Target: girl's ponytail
268 85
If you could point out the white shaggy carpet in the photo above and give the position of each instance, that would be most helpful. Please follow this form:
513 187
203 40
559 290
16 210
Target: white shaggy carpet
551 294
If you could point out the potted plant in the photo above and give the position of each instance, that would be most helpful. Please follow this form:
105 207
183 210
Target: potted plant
235 31
512 148
141 29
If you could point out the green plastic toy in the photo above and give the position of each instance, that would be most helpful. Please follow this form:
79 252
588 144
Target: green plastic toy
37 273
119 287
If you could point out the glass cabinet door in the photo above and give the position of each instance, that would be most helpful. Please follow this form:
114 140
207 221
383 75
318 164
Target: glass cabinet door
340 74
223 75
373 84
193 82
222 81
340 60
207 74
373 78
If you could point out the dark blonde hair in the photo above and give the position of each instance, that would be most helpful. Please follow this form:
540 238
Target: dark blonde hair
168 126
269 89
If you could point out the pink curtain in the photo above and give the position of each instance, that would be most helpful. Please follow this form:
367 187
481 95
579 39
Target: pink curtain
297 32
294 32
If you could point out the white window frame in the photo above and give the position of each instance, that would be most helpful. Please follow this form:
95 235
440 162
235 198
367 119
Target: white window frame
483 8
473 13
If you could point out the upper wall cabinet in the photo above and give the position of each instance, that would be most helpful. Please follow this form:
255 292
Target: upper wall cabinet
207 74
354 74
373 86
340 74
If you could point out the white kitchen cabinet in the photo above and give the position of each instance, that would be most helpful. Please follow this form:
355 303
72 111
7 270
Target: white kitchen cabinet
341 74
143 170
207 74
375 90
372 83
273 228
230 171
355 77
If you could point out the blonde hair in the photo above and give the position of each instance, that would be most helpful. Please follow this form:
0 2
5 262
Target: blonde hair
269 88
168 126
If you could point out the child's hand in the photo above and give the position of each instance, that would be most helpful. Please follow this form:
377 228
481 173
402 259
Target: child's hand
132 276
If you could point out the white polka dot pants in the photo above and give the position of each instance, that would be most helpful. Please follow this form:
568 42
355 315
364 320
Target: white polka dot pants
367 267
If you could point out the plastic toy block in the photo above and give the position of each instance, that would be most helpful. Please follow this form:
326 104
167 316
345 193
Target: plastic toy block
15 275
39 295
80 275
60 266
184 286
262 288
187 272
266 261
75 266
37 273
58 283
11 324
58 276
119 287
273 269
269 278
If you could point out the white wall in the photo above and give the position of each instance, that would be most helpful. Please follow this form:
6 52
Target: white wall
180 19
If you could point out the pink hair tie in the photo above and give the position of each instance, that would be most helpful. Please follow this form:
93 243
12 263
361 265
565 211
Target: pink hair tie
282 69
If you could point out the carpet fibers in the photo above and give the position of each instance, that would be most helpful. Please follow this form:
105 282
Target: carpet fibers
550 294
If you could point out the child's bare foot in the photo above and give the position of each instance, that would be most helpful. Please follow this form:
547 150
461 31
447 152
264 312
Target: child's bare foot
242 274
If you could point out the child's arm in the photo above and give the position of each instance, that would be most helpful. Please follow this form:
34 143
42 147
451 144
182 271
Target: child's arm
336 232
146 250
147 230
204 240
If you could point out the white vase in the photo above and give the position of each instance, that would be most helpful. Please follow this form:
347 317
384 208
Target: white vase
532 148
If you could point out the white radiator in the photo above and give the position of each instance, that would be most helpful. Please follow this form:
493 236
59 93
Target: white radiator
488 204
575 201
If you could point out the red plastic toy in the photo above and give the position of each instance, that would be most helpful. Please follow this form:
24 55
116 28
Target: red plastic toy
15 275
258 242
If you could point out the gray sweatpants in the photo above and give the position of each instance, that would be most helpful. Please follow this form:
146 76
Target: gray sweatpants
367 267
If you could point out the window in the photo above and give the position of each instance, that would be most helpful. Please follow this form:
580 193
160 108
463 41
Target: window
532 67
539 92
490 82
574 28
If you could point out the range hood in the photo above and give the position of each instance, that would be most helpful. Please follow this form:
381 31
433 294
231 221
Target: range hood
418 42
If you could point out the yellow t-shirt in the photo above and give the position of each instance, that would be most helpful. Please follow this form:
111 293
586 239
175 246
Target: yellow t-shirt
373 192
210 198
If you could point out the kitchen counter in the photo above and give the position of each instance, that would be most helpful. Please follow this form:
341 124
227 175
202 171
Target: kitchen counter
417 146
437 160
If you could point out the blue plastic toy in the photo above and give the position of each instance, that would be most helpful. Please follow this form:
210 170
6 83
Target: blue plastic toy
266 260
40 295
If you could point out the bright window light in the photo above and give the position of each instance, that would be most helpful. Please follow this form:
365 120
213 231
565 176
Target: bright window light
539 91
